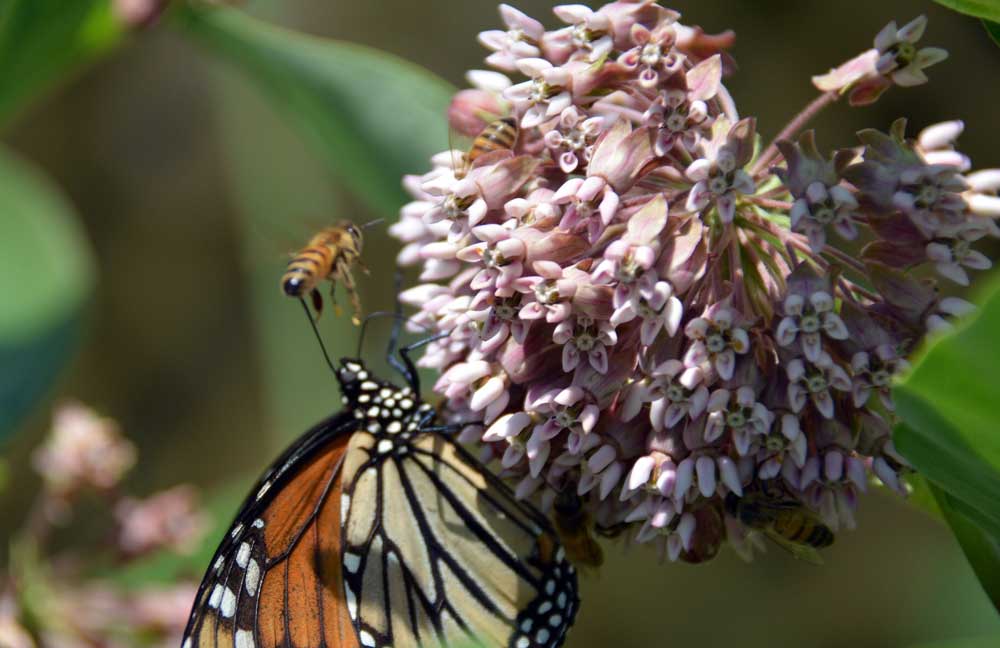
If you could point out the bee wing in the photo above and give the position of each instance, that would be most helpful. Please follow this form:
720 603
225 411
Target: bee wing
800 551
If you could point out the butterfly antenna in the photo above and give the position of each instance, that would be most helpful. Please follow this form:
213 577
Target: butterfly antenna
319 338
373 223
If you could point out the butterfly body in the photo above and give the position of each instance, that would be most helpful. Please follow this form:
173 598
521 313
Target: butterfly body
372 531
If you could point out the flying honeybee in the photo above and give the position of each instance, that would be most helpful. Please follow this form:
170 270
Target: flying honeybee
786 521
573 525
330 254
499 135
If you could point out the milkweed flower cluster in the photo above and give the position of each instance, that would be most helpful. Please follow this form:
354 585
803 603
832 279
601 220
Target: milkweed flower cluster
49 596
643 305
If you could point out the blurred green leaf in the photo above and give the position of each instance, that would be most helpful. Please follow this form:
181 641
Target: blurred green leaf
980 546
986 9
373 116
922 497
46 269
949 431
282 198
993 29
991 641
44 41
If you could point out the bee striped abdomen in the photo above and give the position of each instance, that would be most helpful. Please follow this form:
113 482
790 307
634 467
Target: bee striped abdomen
497 136
804 530
306 269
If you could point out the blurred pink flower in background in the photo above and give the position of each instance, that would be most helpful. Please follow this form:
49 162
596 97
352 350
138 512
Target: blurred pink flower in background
69 597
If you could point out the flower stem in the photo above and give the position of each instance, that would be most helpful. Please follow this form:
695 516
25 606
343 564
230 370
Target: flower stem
793 127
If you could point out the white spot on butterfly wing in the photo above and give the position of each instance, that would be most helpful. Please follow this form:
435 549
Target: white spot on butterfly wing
352 601
542 637
216 597
253 577
352 561
366 638
244 639
228 606
243 555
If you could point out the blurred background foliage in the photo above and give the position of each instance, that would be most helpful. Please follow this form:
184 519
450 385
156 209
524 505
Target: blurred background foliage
191 181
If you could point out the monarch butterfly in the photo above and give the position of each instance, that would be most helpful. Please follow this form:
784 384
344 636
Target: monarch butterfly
376 529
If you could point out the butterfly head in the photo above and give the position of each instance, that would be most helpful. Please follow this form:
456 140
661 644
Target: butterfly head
373 398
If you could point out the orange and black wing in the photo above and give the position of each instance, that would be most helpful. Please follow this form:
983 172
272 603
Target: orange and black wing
276 579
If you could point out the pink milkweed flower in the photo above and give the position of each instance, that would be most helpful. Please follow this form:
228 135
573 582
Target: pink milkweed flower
501 255
581 335
719 177
627 209
777 447
899 59
716 339
168 520
820 200
545 95
508 428
874 372
572 139
951 256
83 450
589 33
661 310
894 60
653 54
498 321
520 41
680 114
550 291
629 260
676 392
739 413
809 315
705 473
620 154
814 381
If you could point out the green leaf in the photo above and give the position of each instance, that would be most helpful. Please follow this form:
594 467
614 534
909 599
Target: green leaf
948 404
991 641
46 276
44 41
373 116
993 29
981 547
282 198
986 9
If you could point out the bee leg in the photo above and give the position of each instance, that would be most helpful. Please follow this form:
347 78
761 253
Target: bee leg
337 310
352 295
317 300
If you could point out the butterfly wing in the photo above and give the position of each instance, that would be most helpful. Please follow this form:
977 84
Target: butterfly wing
276 578
437 551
